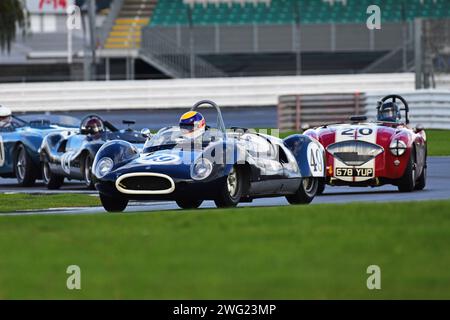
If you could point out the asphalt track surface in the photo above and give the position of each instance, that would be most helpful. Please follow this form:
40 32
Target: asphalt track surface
438 187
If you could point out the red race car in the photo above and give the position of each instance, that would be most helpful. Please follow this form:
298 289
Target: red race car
388 151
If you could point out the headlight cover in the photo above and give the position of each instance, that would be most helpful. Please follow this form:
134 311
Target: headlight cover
201 169
397 147
103 167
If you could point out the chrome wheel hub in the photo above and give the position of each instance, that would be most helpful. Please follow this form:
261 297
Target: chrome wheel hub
87 171
232 182
21 164
309 184
46 172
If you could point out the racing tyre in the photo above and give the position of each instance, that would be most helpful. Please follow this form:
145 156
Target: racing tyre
422 181
189 203
306 192
231 191
24 168
87 173
52 181
408 182
321 187
113 204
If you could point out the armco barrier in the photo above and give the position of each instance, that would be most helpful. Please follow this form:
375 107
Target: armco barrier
430 108
182 93
300 111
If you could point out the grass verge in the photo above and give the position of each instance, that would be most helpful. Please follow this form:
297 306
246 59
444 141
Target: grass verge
293 252
10 203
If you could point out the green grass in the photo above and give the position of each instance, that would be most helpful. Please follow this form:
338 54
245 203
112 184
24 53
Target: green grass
438 141
19 202
294 252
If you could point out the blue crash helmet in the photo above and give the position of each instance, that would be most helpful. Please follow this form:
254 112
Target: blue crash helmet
389 112
193 124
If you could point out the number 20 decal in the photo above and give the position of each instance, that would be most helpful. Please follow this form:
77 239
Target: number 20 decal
315 160
2 152
351 132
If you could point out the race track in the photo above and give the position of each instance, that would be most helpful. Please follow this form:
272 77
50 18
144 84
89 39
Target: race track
438 187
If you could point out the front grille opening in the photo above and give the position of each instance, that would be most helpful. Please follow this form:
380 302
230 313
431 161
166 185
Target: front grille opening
355 152
145 183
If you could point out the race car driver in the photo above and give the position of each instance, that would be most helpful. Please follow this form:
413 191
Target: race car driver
192 124
5 117
389 112
93 126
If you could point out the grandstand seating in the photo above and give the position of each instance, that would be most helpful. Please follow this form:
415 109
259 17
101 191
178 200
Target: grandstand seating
126 31
172 12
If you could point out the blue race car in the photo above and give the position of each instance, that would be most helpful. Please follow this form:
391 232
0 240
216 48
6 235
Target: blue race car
193 162
68 155
20 141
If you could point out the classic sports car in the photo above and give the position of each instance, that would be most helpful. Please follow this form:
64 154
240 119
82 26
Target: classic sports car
388 151
20 142
68 155
225 166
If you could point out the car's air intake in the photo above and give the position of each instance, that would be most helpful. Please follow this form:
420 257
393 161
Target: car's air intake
145 183
354 152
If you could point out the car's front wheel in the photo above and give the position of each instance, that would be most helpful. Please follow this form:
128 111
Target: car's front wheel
51 180
231 190
306 192
87 172
24 168
321 187
113 204
189 203
422 181
408 182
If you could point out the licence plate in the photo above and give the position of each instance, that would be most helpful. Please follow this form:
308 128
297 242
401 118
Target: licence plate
354 172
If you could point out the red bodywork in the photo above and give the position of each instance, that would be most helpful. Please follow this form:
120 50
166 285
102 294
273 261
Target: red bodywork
388 167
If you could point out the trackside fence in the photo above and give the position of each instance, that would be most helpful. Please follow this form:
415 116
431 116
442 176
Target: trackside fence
430 108
297 112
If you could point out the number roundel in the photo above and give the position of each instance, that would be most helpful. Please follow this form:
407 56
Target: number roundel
315 160
160 159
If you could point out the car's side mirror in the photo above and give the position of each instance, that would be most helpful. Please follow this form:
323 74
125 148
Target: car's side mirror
146 133
419 128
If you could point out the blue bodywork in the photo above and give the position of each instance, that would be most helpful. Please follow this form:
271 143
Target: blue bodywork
29 134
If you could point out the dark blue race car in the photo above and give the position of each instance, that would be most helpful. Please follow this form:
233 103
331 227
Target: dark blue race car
67 155
20 142
227 166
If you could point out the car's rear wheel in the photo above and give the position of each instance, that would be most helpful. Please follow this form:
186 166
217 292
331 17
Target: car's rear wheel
24 168
51 180
407 183
87 172
306 192
321 186
189 203
113 204
231 190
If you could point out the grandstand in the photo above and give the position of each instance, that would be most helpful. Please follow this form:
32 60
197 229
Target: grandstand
203 38
173 12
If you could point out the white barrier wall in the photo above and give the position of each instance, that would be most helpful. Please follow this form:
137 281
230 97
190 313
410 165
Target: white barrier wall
430 108
182 93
